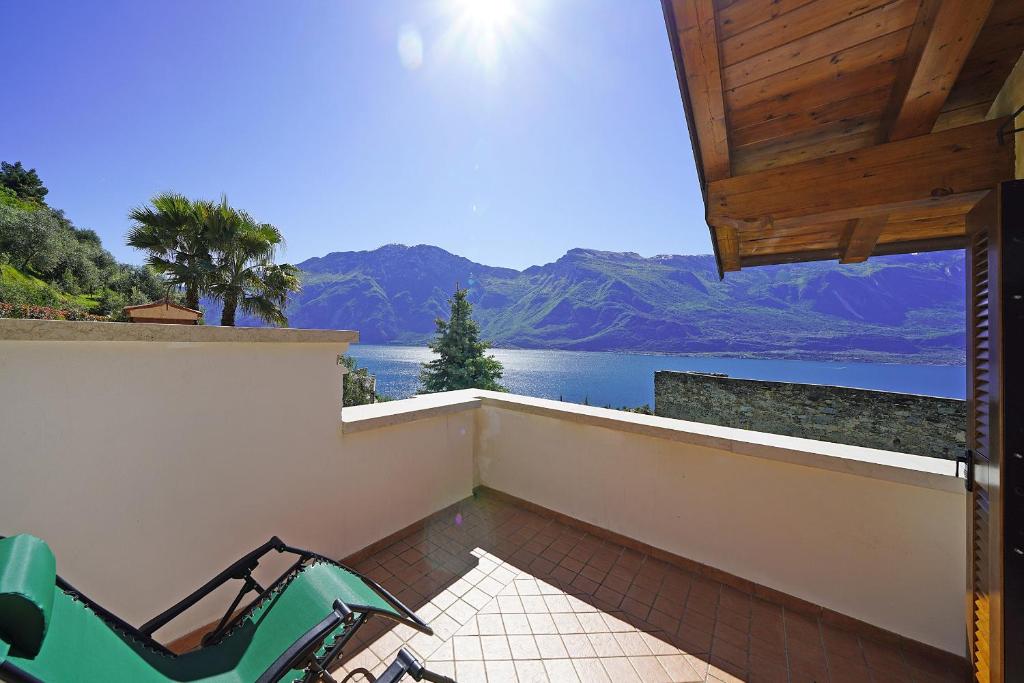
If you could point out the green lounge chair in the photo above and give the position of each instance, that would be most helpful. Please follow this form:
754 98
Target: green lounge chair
293 630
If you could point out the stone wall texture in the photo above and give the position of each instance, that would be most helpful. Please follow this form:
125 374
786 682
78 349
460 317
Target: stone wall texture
906 423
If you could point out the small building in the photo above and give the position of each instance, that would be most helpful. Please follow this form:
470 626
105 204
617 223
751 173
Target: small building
165 312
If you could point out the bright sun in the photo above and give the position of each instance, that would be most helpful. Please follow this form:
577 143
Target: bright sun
482 31
487 15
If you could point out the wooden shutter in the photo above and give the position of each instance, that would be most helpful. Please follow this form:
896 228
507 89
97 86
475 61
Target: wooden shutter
984 582
995 290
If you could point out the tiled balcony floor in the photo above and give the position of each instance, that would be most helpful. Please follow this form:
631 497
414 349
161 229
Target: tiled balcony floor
513 595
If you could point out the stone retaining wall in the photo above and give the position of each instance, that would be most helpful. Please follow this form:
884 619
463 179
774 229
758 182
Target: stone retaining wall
906 423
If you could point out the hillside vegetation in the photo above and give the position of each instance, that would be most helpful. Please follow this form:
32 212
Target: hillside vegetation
48 263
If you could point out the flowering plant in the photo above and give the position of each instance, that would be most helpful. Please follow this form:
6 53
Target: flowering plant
45 313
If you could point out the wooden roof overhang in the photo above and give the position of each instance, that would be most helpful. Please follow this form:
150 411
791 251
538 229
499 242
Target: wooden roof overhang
842 129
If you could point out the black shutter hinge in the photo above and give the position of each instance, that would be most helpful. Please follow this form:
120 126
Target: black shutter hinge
968 461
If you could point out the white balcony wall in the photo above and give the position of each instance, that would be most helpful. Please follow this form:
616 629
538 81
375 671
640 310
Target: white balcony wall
150 465
152 461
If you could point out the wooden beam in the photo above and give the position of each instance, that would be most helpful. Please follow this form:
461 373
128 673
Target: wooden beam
914 246
728 242
940 41
861 238
698 43
959 161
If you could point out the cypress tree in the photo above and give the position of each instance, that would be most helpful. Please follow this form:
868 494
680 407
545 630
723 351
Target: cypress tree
461 362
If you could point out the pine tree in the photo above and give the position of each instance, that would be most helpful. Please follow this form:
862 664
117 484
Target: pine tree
461 362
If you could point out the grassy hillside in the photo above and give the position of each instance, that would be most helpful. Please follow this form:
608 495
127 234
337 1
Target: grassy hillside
46 262
17 287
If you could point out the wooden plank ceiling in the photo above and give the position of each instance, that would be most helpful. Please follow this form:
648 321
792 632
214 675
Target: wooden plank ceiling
842 129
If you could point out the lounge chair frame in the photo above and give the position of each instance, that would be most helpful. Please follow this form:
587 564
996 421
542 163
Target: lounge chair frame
301 654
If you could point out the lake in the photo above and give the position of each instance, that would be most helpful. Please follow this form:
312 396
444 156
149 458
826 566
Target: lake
627 379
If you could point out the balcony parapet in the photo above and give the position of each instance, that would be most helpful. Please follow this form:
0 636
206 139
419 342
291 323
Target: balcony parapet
902 468
88 331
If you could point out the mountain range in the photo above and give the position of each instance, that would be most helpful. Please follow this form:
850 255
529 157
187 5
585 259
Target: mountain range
906 308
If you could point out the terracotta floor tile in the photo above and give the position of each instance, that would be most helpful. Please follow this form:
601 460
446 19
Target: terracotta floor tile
592 622
495 647
541 623
881 656
585 585
726 675
490 624
734 600
605 645
736 656
847 672
515 624
567 623
593 573
616 623
702 604
771 634
659 642
650 670
470 672
804 629
590 670
523 647
678 669
698 621
578 645
534 604
731 635
557 603
563 574
513 595
501 671
551 647
532 671
841 644
620 670
467 647
510 604
672 606
693 640
632 644
561 670
663 621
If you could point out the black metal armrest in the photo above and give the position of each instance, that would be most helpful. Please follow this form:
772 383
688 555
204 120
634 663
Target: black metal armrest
302 652
411 619
240 569
404 664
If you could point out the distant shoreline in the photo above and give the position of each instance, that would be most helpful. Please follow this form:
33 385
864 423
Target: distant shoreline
938 359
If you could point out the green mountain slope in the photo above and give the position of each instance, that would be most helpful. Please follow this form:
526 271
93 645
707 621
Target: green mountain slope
907 308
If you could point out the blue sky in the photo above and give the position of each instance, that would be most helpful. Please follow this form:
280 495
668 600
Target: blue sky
507 135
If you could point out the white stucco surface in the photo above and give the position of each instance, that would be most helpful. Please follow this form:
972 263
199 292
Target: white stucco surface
150 465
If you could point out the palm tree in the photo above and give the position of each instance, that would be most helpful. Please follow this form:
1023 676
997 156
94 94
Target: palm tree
245 274
174 233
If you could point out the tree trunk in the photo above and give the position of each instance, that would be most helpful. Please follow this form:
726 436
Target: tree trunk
227 317
192 297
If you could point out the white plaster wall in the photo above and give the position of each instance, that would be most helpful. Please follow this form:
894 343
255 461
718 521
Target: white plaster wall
891 554
150 466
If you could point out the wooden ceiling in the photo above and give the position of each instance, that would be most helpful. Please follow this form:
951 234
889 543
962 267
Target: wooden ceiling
841 129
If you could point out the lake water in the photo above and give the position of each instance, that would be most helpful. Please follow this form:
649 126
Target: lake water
627 379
